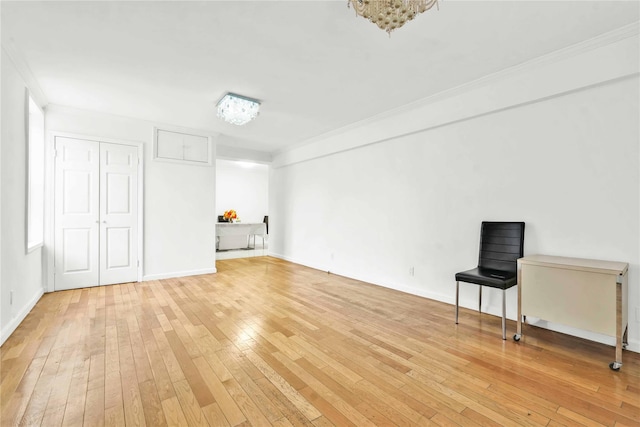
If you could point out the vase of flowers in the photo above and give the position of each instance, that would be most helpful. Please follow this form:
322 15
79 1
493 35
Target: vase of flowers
230 215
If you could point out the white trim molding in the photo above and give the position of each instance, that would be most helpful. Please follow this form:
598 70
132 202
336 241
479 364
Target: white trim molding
9 328
14 53
564 71
49 255
492 308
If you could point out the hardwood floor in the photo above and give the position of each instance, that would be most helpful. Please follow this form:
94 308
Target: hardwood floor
266 342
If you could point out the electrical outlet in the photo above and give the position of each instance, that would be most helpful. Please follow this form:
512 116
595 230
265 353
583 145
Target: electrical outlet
11 297
411 271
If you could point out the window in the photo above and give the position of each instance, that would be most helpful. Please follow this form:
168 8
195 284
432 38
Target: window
35 174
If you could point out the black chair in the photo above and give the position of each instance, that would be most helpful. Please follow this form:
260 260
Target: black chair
501 244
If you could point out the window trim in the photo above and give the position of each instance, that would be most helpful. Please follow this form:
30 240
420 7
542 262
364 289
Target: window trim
34 212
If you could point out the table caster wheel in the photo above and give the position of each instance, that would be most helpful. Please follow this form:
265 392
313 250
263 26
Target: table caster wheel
615 366
516 337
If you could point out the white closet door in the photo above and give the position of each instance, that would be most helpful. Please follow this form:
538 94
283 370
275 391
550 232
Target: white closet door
118 213
76 231
96 213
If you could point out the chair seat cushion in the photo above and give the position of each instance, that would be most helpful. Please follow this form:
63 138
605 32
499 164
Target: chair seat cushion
487 277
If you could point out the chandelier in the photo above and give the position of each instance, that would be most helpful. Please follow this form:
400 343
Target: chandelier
237 109
390 15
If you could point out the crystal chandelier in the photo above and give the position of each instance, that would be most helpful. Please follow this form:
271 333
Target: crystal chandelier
390 15
237 109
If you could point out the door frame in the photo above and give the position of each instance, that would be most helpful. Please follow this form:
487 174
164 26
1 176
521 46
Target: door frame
49 229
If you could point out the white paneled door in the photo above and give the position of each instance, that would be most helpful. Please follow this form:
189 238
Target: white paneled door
77 213
96 213
118 213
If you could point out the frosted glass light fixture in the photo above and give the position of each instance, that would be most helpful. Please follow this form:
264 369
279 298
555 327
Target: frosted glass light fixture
390 15
237 109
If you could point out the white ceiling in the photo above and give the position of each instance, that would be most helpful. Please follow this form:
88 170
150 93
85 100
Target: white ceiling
315 66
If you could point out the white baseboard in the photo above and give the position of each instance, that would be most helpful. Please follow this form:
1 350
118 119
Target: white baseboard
634 345
15 322
492 309
372 280
495 310
580 333
174 274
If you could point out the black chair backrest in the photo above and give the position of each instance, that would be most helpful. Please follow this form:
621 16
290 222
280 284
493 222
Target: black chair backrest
501 244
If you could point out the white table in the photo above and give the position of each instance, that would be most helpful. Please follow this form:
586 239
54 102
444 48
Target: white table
582 293
241 229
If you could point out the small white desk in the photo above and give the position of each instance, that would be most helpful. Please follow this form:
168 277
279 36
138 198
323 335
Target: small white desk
582 293
240 229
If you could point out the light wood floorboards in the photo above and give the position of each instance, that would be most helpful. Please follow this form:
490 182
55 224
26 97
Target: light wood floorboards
266 342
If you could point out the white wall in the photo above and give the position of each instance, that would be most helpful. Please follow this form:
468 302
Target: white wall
374 201
2 107
242 186
21 272
179 199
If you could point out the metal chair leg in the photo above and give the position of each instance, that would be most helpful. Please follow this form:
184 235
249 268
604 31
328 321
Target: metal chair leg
457 297
480 299
504 315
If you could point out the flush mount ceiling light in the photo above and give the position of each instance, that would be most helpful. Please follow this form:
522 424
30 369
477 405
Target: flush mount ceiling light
390 15
237 109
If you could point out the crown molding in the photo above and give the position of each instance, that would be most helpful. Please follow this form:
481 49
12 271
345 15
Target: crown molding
605 39
67 110
17 58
